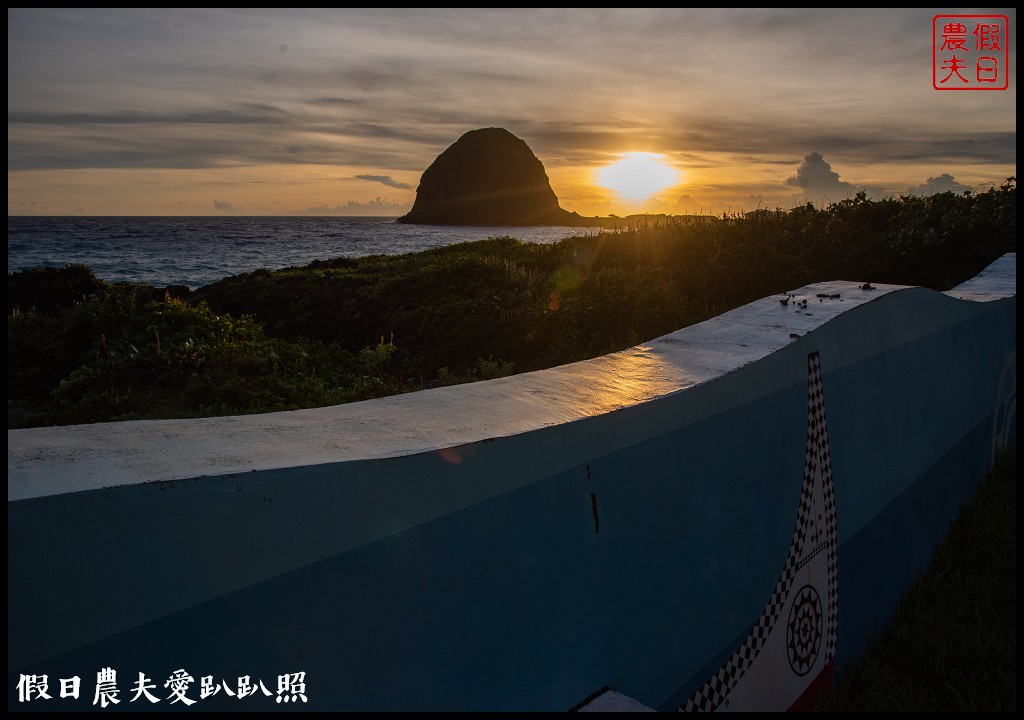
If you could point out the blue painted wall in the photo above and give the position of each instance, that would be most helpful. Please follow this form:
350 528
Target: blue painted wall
508 581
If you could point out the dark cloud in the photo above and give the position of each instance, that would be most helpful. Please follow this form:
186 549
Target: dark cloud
943 183
379 206
405 132
31 207
575 137
994 147
224 206
385 180
878 142
255 113
372 78
105 148
816 179
687 204
204 146
331 101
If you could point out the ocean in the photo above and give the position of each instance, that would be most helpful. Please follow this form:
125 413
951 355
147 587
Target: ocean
197 251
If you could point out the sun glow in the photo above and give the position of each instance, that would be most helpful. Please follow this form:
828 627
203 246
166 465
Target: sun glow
638 175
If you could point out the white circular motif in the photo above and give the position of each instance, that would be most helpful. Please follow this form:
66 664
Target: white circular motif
803 634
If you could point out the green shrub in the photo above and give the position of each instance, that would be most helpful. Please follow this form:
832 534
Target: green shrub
314 335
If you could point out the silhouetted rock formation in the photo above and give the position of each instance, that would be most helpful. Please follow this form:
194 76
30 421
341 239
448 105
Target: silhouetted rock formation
487 177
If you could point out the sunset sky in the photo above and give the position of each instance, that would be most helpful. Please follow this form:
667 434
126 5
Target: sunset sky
339 111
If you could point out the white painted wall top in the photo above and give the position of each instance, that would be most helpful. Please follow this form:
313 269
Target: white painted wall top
54 460
997 281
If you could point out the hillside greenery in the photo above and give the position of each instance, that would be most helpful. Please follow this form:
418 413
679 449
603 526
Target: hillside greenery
82 350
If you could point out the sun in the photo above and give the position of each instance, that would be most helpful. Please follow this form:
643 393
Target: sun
638 175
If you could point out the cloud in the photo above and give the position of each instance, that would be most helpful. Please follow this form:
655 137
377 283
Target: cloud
943 183
224 206
385 180
378 206
30 207
383 91
686 204
331 101
816 178
244 114
755 202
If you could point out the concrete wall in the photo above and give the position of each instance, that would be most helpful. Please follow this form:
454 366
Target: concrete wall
638 521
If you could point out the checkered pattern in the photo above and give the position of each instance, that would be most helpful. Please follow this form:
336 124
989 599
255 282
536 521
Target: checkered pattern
817 464
818 447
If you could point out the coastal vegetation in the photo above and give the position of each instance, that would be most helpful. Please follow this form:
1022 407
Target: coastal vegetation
82 350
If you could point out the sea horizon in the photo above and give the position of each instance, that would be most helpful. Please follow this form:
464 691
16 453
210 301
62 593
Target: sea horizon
197 250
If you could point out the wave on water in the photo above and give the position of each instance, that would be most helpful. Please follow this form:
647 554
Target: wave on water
197 251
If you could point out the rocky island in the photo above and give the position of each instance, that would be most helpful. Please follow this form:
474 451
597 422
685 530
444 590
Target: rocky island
488 177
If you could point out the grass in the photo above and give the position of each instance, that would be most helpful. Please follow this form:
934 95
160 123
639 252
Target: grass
952 646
